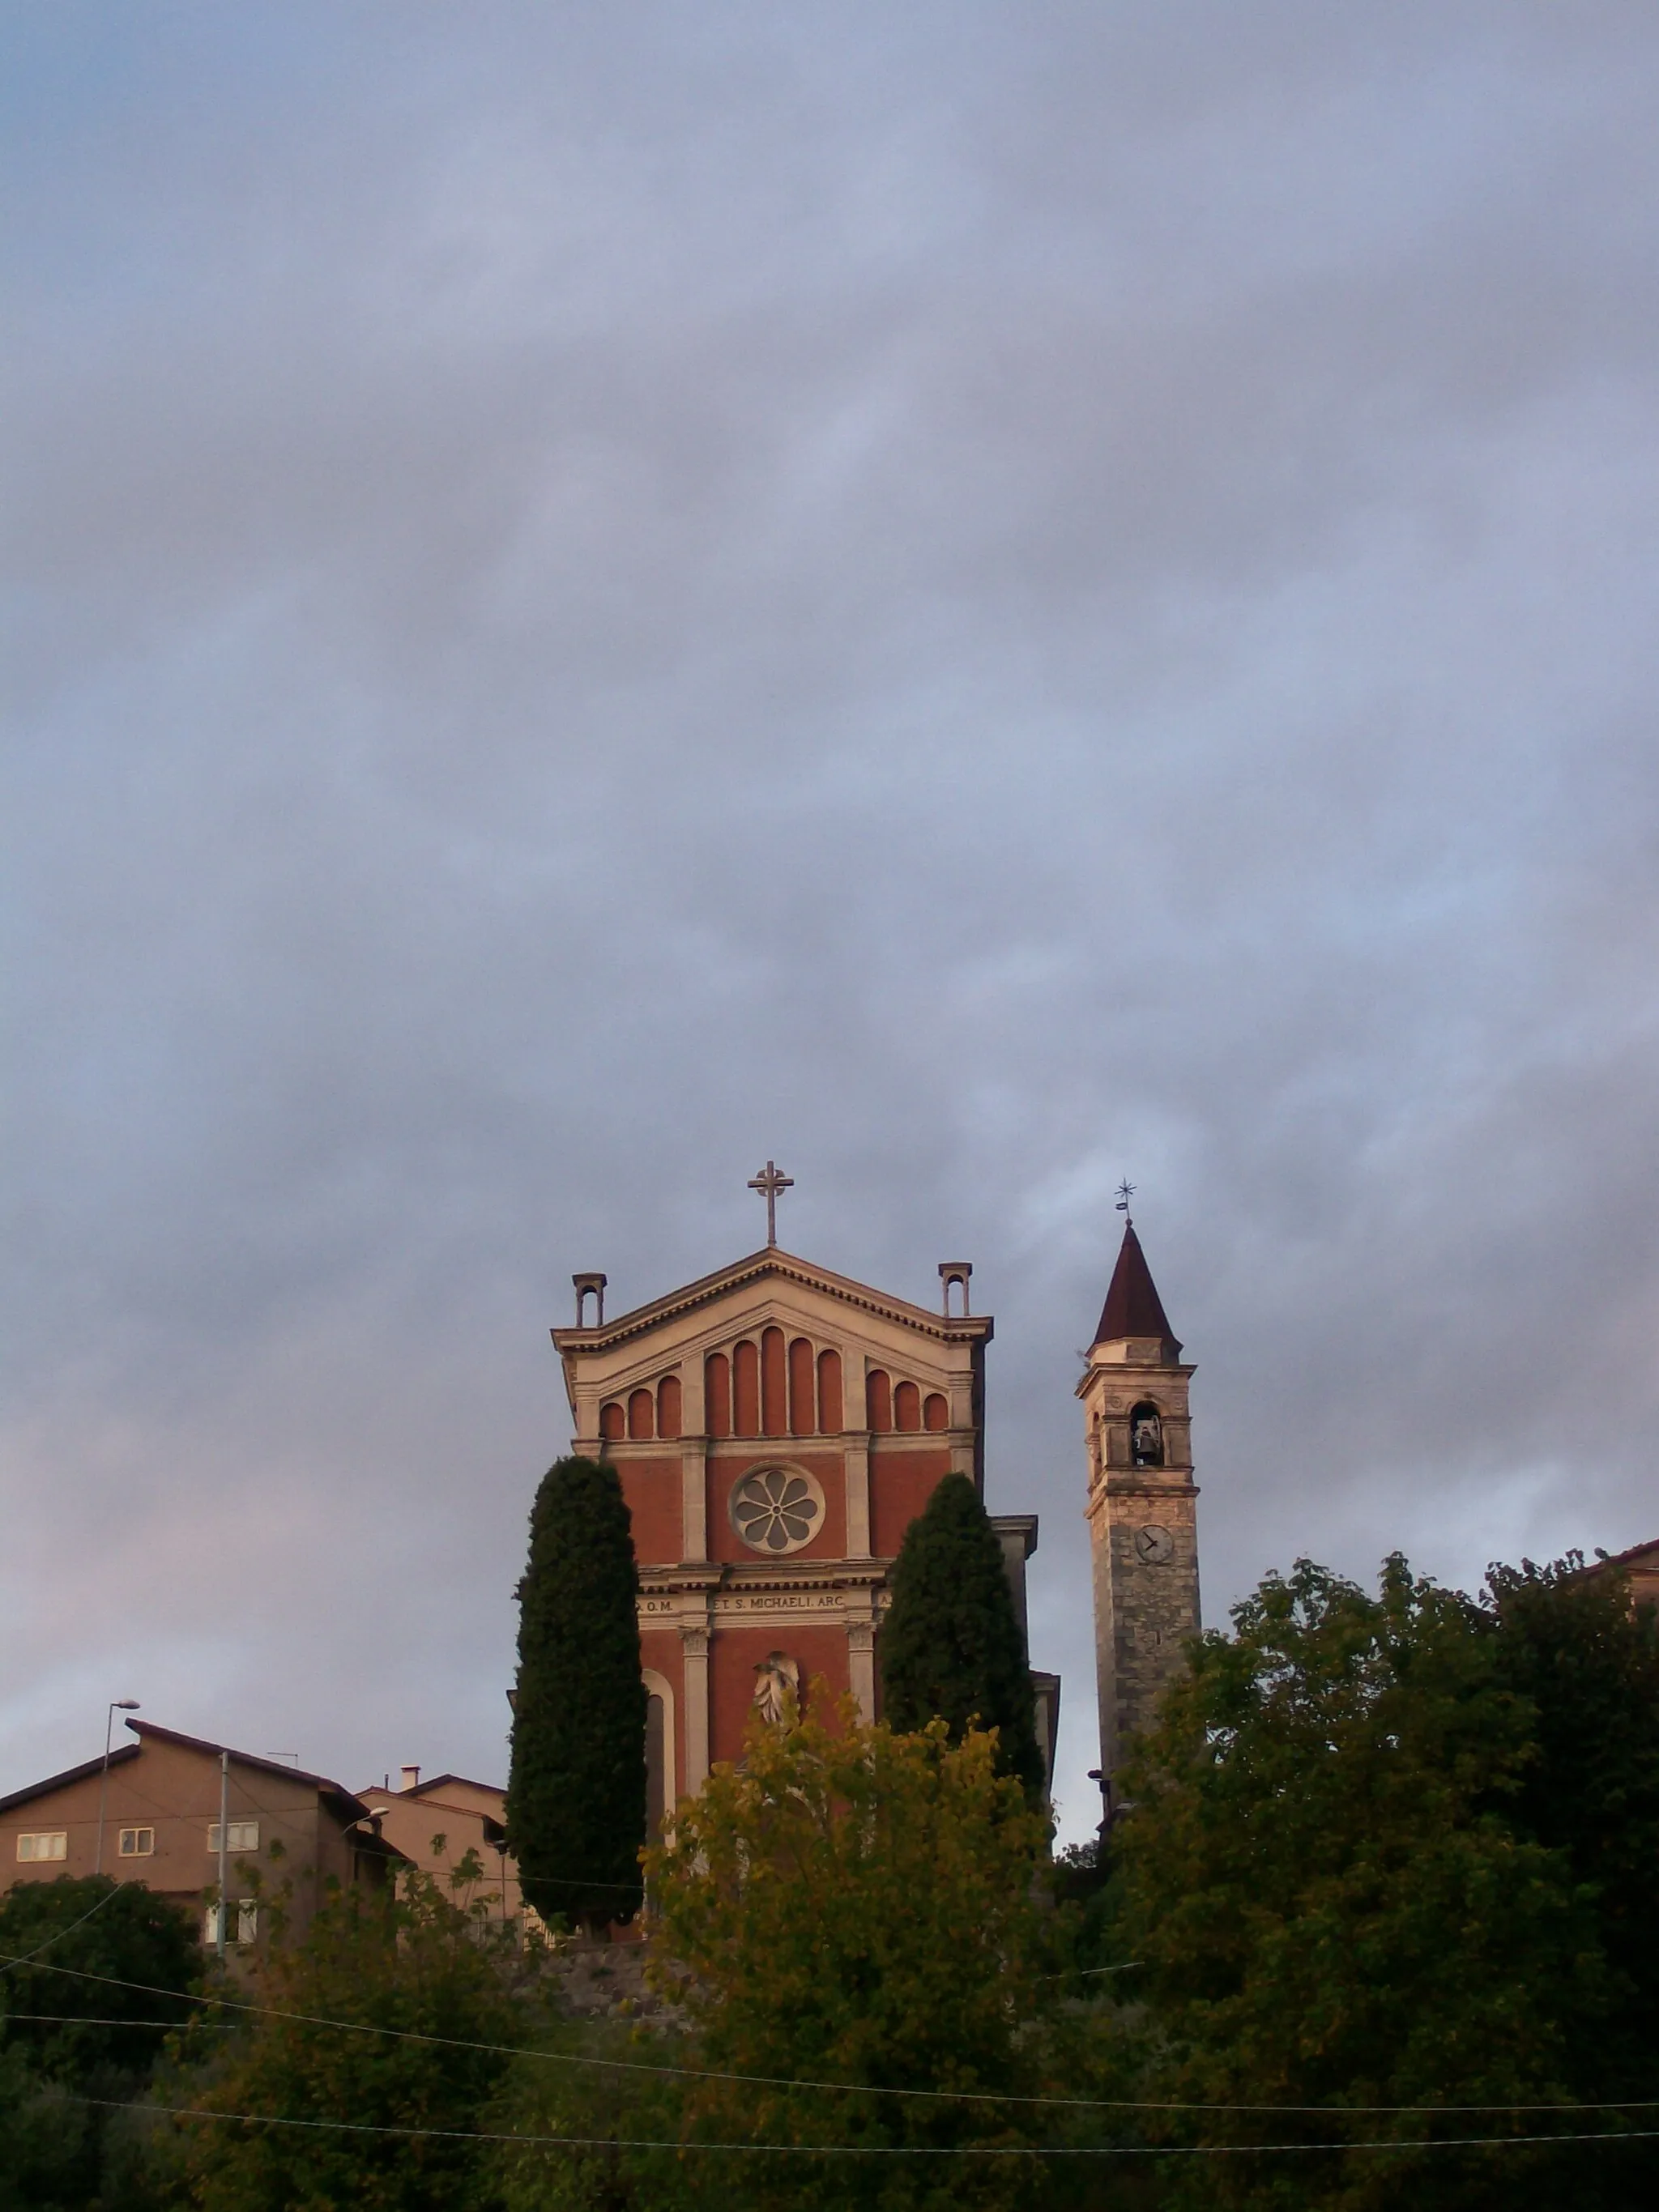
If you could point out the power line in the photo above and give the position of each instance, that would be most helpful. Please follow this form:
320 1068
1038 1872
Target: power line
878 2150
92 2020
840 2088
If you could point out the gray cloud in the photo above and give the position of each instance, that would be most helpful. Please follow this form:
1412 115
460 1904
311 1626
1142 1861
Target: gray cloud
972 602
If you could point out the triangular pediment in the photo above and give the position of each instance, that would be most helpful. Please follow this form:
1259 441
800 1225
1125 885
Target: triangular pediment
776 1271
749 1299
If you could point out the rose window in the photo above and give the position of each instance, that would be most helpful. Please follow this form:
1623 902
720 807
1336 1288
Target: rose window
777 1508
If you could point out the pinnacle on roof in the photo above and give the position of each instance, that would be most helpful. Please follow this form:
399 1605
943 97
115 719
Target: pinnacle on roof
1133 1306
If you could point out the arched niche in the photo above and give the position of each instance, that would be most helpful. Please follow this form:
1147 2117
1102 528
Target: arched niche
878 1399
668 1405
745 1386
717 1393
829 1410
802 1414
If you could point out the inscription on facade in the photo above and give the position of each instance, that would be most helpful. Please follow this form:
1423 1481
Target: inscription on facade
729 1602
779 1601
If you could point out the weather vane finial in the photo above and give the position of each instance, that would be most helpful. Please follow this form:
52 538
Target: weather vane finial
1125 1191
770 1182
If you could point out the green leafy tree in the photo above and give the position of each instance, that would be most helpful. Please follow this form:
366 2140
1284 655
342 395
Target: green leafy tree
1586 1663
340 2054
576 1795
1331 1875
69 1949
609 2089
851 1907
49 2147
857 1905
951 1647
77 2037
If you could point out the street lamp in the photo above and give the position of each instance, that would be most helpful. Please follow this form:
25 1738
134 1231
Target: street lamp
116 1705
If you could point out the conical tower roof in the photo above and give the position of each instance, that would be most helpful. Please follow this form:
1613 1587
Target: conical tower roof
1133 1306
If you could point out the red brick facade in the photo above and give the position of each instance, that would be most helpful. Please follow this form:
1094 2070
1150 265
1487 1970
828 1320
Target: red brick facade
776 1428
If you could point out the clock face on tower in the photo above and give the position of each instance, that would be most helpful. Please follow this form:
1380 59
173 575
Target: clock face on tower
1154 1545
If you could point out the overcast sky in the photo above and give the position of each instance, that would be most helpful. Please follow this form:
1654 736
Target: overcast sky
975 598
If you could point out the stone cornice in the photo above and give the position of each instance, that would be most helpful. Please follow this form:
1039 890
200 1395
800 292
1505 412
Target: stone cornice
734 1576
1123 1370
1117 1485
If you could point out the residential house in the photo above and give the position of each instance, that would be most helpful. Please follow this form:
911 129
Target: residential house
434 1825
1641 1566
152 1816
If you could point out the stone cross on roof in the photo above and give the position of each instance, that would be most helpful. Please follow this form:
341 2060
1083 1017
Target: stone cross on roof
770 1182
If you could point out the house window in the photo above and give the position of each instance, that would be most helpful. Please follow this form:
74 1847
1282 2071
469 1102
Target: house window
239 1836
242 1926
138 1842
54 1844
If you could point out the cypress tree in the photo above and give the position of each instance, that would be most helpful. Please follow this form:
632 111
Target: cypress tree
951 1646
575 1797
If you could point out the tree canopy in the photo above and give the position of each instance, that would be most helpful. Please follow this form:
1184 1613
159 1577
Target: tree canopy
951 1647
394 1969
576 1793
81 1961
1354 1883
853 1905
1568 1644
71 1949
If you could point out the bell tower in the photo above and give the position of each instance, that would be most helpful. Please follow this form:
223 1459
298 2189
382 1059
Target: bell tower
1142 1509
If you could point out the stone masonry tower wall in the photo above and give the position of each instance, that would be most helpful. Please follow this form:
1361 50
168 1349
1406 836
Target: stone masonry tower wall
1143 1505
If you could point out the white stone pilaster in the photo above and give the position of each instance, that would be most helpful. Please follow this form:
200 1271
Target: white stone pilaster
694 1498
693 1642
856 1463
861 1665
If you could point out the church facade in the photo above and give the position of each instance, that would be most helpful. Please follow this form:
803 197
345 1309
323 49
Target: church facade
777 1426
